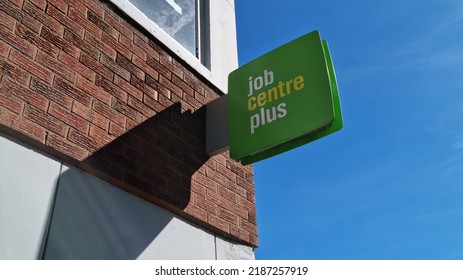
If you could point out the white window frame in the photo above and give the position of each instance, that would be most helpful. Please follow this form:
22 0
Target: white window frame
218 50
200 63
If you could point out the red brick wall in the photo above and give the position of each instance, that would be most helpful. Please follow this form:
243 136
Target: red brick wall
84 83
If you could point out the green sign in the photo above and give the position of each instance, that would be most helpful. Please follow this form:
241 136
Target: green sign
282 100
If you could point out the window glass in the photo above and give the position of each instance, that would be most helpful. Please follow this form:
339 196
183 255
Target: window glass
176 17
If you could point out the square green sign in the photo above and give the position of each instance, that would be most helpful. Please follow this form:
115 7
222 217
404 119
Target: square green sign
283 99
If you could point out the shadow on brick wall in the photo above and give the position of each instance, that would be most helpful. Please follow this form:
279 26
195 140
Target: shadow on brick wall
157 158
154 160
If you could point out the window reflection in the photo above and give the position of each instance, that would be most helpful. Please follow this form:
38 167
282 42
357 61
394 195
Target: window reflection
176 17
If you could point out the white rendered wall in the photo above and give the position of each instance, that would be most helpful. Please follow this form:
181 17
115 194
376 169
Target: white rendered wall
224 47
91 219
27 185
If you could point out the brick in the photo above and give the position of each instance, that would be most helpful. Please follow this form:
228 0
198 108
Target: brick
68 117
114 67
245 184
141 107
82 140
226 172
75 64
110 41
247 226
126 110
178 69
97 43
129 124
252 218
128 43
95 8
168 62
115 130
22 125
30 66
192 102
205 181
17 43
246 204
140 63
144 88
17 2
196 212
210 94
235 168
40 15
117 158
240 233
146 171
103 26
131 90
165 101
250 197
45 120
62 44
201 99
227 216
6 21
91 63
81 44
205 204
198 189
64 146
129 66
253 240
146 47
90 115
139 183
217 177
10 102
229 195
80 19
249 177
193 82
101 136
70 90
10 88
170 86
66 21
161 69
93 90
153 83
20 15
105 167
109 87
236 189
15 73
217 199
133 28
49 93
238 210
114 22
153 104
36 40
60 4
56 66
109 113
4 49
218 223
184 86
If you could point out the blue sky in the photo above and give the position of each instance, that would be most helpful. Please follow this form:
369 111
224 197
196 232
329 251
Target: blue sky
389 185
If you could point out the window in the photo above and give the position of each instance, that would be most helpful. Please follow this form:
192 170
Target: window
180 19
